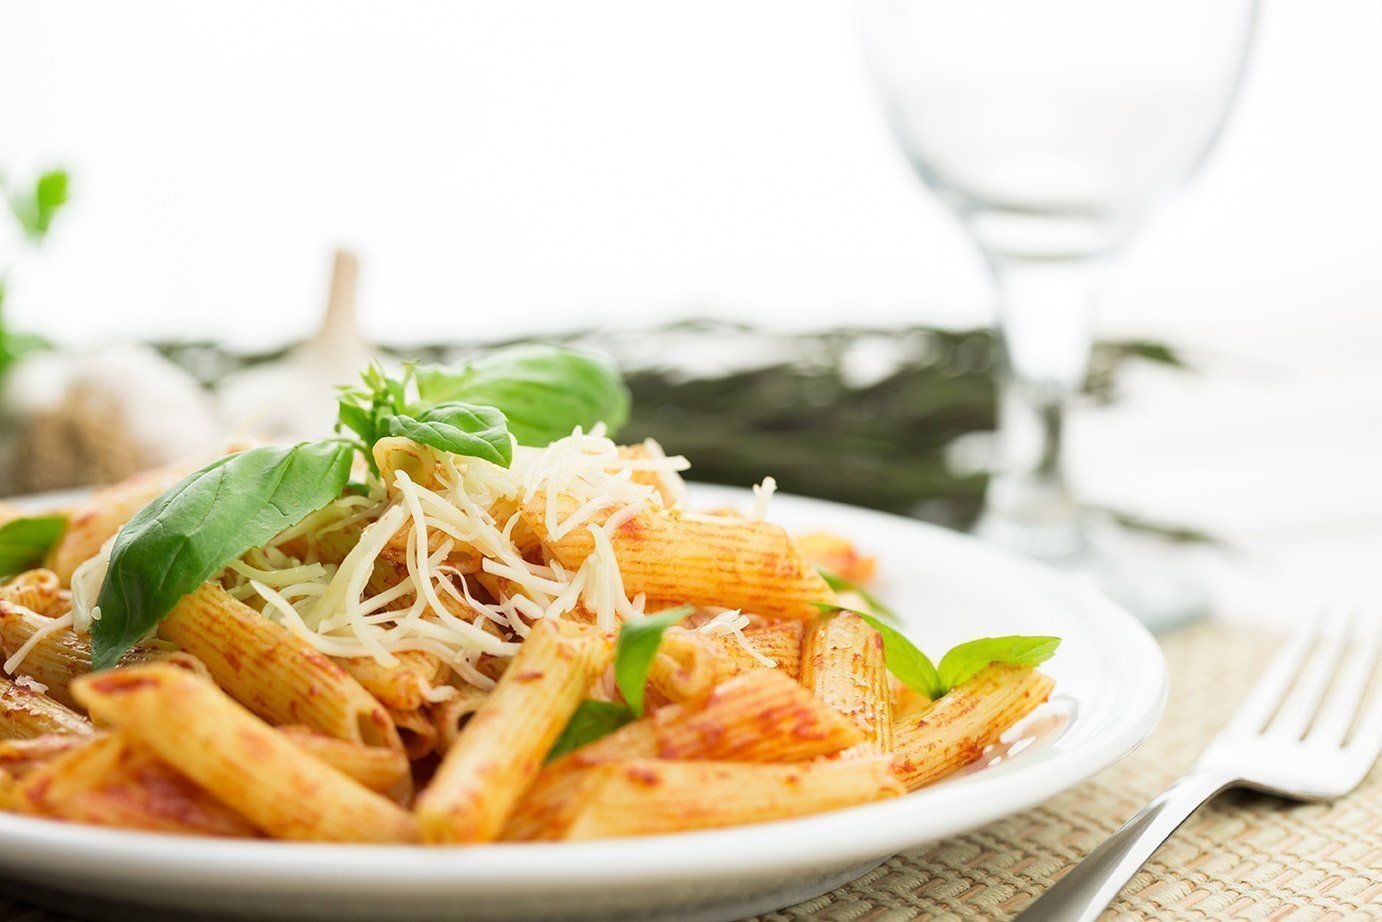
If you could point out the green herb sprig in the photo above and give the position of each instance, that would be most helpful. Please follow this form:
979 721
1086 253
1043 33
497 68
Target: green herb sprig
914 668
25 541
236 503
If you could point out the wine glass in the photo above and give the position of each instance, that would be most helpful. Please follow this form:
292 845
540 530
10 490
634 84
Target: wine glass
1051 128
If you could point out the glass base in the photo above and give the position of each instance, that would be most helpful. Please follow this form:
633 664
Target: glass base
1150 578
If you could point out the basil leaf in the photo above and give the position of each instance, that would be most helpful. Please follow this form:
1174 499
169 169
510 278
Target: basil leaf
965 660
202 523
544 391
458 428
840 584
591 720
634 651
35 210
24 542
902 657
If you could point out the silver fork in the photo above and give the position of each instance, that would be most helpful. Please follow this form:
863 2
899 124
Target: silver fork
1299 735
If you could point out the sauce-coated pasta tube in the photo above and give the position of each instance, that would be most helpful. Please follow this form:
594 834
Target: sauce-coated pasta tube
957 728
399 687
26 713
273 672
702 559
375 767
779 641
647 797
500 751
36 590
758 717
249 766
843 666
110 782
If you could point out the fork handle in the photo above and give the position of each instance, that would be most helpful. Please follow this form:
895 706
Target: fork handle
1090 886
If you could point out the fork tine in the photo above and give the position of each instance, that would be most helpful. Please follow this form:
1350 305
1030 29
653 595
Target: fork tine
1354 678
1266 695
1304 700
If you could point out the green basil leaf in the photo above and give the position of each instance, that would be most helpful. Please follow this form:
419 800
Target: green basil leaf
24 542
592 720
965 660
634 651
902 657
840 584
357 419
458 428
202 523
35 210
544 391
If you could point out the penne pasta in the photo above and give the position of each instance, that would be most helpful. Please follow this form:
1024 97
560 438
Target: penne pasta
375 767
843 666
957 728
759 717
417 731
500 751
273 672
777 641
108 781
686 666
399 687
836 554
639 797
36 590
198 730
19 757
451 715
704 559
26 713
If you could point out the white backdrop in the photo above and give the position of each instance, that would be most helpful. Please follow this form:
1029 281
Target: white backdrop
539 164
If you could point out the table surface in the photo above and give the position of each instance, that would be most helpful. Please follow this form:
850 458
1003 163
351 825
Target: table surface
1245 856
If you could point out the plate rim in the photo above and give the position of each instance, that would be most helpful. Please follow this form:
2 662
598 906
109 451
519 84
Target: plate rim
855 833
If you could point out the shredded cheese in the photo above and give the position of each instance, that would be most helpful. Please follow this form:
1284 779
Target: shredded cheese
732 621
762 493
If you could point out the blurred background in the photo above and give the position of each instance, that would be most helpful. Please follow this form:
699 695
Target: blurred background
549 169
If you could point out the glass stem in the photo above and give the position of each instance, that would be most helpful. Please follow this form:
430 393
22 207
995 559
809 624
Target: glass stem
1045 324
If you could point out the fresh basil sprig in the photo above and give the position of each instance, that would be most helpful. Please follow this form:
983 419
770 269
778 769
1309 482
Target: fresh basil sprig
543 391
634 652
914 668
24 542
211 517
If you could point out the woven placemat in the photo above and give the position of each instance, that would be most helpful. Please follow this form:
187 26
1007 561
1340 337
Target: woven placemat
1243 857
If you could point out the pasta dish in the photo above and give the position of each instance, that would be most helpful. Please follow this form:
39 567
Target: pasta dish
470 616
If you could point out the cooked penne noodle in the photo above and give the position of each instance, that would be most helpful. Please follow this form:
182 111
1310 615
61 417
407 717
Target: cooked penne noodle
109 781
19 757
375 767
398 687
843 666
95 521
670 489
501 749
704 559
957 728
451 715
246 764
36 590
640 797
686 666
26 713
836 554
274 672
759 717
417 731
777 641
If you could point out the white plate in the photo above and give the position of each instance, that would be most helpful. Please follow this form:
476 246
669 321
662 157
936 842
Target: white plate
1110 687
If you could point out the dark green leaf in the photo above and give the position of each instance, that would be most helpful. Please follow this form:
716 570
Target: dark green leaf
458 428
544 391
357 419
840 584
24 542
902 657
965 660
634 651
592 720
196 527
